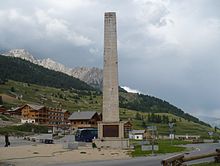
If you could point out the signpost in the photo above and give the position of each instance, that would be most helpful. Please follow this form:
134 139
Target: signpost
149 147
153 129
171 125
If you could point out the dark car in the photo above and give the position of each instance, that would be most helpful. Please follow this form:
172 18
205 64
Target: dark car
86 135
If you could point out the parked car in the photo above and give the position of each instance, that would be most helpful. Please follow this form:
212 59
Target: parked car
86 135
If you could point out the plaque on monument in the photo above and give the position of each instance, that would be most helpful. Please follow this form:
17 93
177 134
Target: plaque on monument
110 131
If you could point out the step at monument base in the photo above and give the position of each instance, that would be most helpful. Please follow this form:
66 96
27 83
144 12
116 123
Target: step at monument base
112 143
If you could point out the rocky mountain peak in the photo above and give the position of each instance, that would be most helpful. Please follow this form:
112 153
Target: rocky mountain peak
21 53
92 76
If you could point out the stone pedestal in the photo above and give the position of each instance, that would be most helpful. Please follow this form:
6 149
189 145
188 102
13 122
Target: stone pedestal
112 143
111 135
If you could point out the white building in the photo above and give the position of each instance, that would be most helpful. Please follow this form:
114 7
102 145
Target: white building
137 134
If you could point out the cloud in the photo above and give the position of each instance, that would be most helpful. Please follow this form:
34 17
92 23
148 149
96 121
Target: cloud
94 51
43 25
130 89
167 48
59 28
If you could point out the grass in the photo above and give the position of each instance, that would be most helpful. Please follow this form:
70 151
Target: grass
4 118
164 147
49 96
207 164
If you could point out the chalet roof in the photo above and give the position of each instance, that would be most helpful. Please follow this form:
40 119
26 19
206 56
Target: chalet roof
35 107
64 111
137 131
83 115
14 109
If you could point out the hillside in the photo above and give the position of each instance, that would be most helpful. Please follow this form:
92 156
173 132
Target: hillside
74 100
145 103
21 70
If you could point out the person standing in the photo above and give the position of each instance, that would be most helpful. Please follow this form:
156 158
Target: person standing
7 143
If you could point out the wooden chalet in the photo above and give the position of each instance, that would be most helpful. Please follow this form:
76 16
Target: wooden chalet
84 119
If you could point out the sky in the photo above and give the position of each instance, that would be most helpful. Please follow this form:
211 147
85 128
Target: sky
166 48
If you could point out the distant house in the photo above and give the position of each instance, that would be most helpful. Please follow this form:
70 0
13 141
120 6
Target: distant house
38 114
137 134
127 129
84 119
187 137
57 117
66 116
33 114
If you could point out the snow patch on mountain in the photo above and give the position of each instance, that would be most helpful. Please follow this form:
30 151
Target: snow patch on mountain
128 89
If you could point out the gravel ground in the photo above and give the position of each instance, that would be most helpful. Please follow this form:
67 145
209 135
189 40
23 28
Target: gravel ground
15 141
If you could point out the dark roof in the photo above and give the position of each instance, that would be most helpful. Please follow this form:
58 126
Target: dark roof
14 109
137 131
35 107
82 115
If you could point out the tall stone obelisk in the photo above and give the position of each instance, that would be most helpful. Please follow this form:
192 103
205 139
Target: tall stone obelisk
111 129
110 71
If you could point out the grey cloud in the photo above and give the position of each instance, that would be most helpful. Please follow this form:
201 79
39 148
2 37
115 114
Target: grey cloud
169 49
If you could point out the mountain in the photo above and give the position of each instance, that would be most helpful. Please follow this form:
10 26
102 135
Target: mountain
32 72
24 71
21 53
17 69
92 76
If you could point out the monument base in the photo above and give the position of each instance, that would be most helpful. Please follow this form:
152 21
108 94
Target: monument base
112 143
111 135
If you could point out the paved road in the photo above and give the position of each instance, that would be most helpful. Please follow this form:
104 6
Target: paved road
201 149
140 161
148 161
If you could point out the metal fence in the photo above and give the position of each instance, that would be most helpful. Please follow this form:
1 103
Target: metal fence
180 159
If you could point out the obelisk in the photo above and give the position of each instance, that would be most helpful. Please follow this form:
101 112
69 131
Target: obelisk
110 110
110 129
